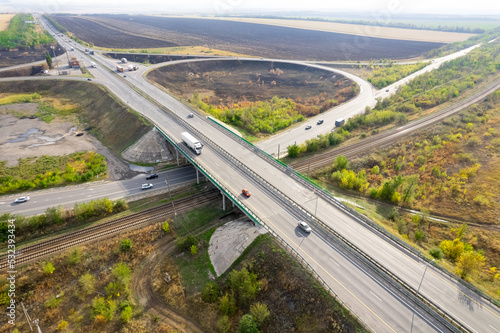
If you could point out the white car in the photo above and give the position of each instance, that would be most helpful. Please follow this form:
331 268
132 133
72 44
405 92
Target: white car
304 226
21 199
146 186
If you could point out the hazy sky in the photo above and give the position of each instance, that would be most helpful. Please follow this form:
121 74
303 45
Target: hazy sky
375 8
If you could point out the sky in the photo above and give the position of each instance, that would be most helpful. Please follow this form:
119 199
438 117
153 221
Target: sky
376 8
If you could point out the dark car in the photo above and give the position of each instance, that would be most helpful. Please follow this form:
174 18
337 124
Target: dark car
190 115
308 127
89 79
152 176
321 121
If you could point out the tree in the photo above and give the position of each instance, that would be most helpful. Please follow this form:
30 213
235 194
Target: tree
87 284
293 150
126 314
409 189
74 257
468 263
165 227
103 308
224 324
48 58
125 244
341 163
210 292
247 325
453 249
260 313
47 267
227 305
244 284
121 273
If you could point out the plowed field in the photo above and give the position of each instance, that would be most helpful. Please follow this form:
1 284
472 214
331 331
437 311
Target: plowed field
138 31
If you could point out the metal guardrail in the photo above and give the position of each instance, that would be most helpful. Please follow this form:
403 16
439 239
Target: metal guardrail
328 196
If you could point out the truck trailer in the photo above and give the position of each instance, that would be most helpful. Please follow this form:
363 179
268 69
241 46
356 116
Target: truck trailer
339 122
119 68
192 142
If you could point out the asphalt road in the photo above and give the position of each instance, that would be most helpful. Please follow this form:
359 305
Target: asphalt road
68 196
364 292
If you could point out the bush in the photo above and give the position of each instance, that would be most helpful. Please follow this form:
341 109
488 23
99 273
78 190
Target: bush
74 257
194 250
103 308
210 292
224 324
47 268
419 235
126 314
244 284
125 245
165 227
227 305
260 313
185 243
436 253
53 302
247 325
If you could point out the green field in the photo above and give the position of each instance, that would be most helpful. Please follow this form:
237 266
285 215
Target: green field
23 35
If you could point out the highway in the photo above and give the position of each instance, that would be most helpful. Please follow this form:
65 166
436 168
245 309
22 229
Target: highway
67 196
279 200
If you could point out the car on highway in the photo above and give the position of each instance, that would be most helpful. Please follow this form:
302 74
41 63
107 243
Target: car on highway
190 115
321 121
246 192
21 199
304 226
308 127
387 90
152 176
89 79
146 186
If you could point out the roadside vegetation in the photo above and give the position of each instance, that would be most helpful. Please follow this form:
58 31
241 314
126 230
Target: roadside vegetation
95 286
418 97
56 218
48 171
450 169
382 76
23 35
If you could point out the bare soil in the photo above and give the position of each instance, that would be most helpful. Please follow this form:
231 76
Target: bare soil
12 57
5 21
141 31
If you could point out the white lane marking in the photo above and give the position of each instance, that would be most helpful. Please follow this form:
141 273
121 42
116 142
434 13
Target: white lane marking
89 195
2 203
334 262
493 328
375 296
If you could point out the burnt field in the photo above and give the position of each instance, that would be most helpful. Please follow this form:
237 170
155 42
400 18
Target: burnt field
151 58
230 82
12 57
138 31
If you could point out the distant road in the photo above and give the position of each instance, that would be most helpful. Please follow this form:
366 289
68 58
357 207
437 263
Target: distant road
68 196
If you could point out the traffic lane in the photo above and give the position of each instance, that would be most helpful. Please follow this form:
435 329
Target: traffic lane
411 269
354 274
67 197
351 282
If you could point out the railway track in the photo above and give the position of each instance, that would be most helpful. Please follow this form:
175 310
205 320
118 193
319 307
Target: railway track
387 138
63 242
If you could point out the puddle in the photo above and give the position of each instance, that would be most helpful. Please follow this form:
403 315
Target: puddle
139 168
24 136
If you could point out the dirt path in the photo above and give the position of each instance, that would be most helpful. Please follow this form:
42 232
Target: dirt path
142 285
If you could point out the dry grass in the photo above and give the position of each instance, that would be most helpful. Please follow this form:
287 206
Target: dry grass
5 21
190 50
360 30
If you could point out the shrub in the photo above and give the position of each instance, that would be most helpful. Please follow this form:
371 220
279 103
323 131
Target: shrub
126 314
436 253
210 292
74 257
224 324
260 313
165 227
87 284
247 325
244 284
227 306
185 243
47 268
103 308
53 302
125 245
419 235
194 250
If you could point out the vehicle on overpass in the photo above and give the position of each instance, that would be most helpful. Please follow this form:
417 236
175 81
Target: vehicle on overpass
246 192
192 142
304 226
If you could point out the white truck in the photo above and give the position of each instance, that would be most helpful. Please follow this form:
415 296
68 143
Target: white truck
130 67
93 64
124 60
192 142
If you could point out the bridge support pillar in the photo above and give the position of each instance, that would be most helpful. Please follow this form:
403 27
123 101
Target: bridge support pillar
197 176
223 201
177 155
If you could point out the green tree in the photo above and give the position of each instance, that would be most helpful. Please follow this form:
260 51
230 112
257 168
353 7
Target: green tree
260 313
121 273
293 150
47 267
103 307
409 188
126 314
165 227
468 263
125 244
210 292
74 257
48 59
341 163
419 235
247 325
227 305
87 284
376 170
224 324
244 284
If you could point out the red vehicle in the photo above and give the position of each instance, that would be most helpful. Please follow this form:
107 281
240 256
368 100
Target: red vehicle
246 192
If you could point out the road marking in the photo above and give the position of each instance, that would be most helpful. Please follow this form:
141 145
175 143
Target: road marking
334 262
2 203
89 195
493 328
375 296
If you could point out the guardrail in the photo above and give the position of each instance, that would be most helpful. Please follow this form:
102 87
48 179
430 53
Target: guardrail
327 196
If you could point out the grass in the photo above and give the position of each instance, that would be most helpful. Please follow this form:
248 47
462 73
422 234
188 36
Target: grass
194 269
195 218
189 50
